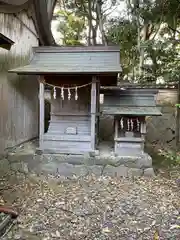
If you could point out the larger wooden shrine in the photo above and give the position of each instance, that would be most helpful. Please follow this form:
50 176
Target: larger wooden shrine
70 78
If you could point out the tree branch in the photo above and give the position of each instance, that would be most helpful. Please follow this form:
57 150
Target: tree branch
174 30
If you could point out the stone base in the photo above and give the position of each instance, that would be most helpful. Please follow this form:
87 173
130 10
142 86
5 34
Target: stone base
70 165
140 161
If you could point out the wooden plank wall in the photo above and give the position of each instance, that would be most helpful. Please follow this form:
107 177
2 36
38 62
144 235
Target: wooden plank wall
18 95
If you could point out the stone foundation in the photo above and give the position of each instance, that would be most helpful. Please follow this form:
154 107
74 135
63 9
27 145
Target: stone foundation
70 165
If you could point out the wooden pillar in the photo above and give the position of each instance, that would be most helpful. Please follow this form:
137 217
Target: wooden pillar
97 111
116 129
93 113
41 113
115 134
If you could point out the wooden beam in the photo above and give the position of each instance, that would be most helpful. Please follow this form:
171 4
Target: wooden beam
93 113
41 114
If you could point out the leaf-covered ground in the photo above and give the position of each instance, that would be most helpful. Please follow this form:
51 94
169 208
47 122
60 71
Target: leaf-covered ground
92 207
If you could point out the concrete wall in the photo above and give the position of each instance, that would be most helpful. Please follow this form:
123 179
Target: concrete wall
160 129
18 95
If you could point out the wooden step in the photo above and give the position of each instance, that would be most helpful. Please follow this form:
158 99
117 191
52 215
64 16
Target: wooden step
57 137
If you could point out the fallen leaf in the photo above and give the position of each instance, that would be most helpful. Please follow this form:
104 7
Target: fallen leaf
156 236
106 230
175 227
58 233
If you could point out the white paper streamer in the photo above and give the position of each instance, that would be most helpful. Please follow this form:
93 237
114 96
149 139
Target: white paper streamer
138 124
76 94
132 125
54 93
128 124
62 93
69 94
122 123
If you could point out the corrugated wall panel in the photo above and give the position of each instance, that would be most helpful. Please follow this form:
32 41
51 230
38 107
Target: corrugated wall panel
18 95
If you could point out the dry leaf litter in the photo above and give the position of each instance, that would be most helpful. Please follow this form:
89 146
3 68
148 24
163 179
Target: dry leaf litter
92 207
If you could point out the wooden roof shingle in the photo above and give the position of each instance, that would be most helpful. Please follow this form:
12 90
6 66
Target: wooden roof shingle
66 60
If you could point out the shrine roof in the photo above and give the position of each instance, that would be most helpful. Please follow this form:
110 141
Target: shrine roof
5 42
137 102
68 60
132 110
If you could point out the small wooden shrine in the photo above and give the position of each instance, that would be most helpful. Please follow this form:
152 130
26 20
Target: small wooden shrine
70 79
129 107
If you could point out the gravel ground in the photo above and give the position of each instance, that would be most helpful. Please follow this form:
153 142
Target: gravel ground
93 208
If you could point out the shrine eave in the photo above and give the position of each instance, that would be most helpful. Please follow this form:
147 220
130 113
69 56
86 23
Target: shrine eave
131 110
43 70
66 60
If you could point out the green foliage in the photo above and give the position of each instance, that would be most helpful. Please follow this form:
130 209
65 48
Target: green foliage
177 105
92 13
124 33
159 40
148 34
164 56
171 158
71 27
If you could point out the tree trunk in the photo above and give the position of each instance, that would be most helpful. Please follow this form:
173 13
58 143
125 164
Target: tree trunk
94 34
101 24
143 37
90 23
178 119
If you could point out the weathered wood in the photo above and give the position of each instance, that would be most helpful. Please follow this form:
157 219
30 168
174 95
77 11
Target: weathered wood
69 146
62 123
18 95
116 129
71 114
93 113
97 112
129 139
41 113
71 118
69 128
83 127
77 49
65 151
79 79
69 121
67 138
143 129
127 100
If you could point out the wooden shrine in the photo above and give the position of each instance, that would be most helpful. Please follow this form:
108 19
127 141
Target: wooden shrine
70 79
73 117
129 107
